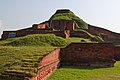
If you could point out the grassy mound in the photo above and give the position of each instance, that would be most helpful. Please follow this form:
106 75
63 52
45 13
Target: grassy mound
38 40
69 16
22 59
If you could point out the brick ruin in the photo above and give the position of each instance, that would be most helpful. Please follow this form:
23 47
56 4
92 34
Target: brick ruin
75 54
109 36
48 64
117 52
88 54
57 27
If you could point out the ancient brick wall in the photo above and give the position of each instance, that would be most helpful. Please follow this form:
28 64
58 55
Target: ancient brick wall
97 30
25 32
39 26
79 34
88 54
48 64
117 52
62 25
5 34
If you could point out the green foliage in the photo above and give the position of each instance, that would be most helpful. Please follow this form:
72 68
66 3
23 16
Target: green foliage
87 73
74 39
38 40
97 38
61 17
92 36
70 16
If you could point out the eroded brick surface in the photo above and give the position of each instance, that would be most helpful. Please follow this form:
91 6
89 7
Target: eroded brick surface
48 65
88 54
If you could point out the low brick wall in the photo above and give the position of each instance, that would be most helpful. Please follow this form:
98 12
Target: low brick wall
79 34
117 53
98 30
26 32
88 54
48 65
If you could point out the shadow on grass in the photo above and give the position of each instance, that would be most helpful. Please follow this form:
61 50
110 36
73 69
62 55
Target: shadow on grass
79 67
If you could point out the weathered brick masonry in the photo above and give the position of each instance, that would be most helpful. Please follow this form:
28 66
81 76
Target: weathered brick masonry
109 36
75 54
88 54
48 65
98 30
57 27
25 32
117 52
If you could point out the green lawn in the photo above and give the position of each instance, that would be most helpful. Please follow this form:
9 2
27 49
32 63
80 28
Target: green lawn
87 73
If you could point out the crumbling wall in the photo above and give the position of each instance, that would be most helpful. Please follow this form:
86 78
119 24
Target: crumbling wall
75 54
117 52
39 26
25 32
48 64
88 54
79 34
97 30
62 25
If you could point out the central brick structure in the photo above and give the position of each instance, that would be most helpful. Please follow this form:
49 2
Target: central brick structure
88 54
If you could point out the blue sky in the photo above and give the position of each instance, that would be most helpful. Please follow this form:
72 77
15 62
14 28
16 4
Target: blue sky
18 14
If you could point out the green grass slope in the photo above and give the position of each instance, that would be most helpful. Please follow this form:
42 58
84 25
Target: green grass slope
69 15
36 40
23 59
23 54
